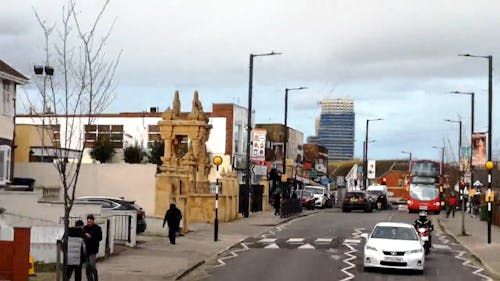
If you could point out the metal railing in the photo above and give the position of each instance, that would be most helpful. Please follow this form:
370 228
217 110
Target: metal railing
290 207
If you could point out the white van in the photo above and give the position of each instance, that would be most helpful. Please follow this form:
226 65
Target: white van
321 195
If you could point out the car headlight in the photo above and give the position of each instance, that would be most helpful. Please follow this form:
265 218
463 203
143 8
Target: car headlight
417 251
368 247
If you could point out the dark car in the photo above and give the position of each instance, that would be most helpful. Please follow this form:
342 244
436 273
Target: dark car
110 203
356 201
379 198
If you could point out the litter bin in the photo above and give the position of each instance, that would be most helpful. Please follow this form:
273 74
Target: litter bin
483 212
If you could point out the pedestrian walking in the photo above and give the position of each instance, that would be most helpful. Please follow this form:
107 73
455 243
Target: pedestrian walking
277 202
93 235
452 204
76 251
173 218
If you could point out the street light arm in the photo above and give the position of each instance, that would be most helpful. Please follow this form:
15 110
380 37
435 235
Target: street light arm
473 56
272 53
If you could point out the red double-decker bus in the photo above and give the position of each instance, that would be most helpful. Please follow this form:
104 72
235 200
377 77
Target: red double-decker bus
424 186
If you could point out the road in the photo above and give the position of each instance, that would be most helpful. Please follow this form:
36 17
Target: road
327 246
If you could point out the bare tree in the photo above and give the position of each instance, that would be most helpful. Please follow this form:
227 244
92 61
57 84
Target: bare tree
82 86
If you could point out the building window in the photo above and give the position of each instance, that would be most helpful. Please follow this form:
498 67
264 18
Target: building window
153 134
237 138
113 132
4 164
7 106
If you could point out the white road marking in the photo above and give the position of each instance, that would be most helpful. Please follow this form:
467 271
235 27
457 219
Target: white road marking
467 262
233 254
352 241
323 240
267 240
440 246
272 246
306 246
332 250
295 240
348 262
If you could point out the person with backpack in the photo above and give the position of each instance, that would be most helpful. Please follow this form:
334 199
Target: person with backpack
76 251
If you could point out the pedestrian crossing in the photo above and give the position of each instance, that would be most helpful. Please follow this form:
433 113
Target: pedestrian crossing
299 243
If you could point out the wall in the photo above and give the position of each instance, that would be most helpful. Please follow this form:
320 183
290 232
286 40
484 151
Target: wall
47 211
28 136
131 181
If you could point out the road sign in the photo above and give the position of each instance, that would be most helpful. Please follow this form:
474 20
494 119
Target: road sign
259 170
467 177
477 184
371 169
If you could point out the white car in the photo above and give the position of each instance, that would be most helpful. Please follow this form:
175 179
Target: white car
394 245
319 195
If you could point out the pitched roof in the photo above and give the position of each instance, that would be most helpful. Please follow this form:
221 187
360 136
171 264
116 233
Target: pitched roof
7 69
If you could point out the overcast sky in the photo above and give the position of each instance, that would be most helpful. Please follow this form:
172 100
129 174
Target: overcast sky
396 59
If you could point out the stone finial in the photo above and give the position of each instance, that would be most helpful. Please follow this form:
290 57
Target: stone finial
176 105
197 110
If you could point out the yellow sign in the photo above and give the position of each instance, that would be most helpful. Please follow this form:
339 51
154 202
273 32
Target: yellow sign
489 165
31 270
490 196
217 160
284 178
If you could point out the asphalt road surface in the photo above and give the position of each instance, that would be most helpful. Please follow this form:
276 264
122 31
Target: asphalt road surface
327 246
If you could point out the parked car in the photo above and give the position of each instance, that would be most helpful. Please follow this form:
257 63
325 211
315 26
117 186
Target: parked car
357 201
110 203
322 198
394 245
307 199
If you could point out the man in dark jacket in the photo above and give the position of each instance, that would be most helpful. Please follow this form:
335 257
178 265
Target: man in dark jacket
76 251
173 218
93 235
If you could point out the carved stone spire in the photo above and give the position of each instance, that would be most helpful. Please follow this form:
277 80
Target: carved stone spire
176 105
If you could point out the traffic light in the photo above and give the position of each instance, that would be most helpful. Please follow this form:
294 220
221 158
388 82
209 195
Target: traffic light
462 184
383 181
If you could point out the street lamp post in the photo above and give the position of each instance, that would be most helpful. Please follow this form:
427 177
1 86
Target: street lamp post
45 72
285 129
365 158
249 126
471 168
409 153
441 180
217 161
461 177
490 131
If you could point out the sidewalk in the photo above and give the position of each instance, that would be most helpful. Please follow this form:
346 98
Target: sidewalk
155 259
476 242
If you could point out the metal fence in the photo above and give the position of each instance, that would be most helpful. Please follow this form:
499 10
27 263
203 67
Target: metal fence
290 207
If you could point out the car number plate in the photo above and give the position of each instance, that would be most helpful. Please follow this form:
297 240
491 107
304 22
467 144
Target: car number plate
354 200
393 259
423 207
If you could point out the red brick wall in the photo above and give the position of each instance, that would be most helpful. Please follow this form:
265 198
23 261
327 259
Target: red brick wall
225 110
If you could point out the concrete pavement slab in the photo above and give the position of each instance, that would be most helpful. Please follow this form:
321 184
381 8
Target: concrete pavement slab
476 240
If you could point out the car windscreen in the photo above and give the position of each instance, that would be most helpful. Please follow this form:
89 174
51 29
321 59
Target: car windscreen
394 232
307 193
316 190
424 192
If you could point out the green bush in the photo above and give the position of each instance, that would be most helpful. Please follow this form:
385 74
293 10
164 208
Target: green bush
157 151
103 150
133 154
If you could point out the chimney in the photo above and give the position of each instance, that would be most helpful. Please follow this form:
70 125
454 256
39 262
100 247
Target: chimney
153 109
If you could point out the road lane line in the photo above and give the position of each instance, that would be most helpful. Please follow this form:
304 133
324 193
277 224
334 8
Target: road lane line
272 246
295 240
348 262
267 240
306 246
352 241
467 262
233 254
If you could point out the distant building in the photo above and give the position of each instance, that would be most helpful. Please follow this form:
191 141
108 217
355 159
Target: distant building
336 128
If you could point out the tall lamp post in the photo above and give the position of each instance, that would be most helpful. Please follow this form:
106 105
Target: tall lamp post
462 188
285 129
471 168
249 126
490 132
409 154
46 72
442 168
365 158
